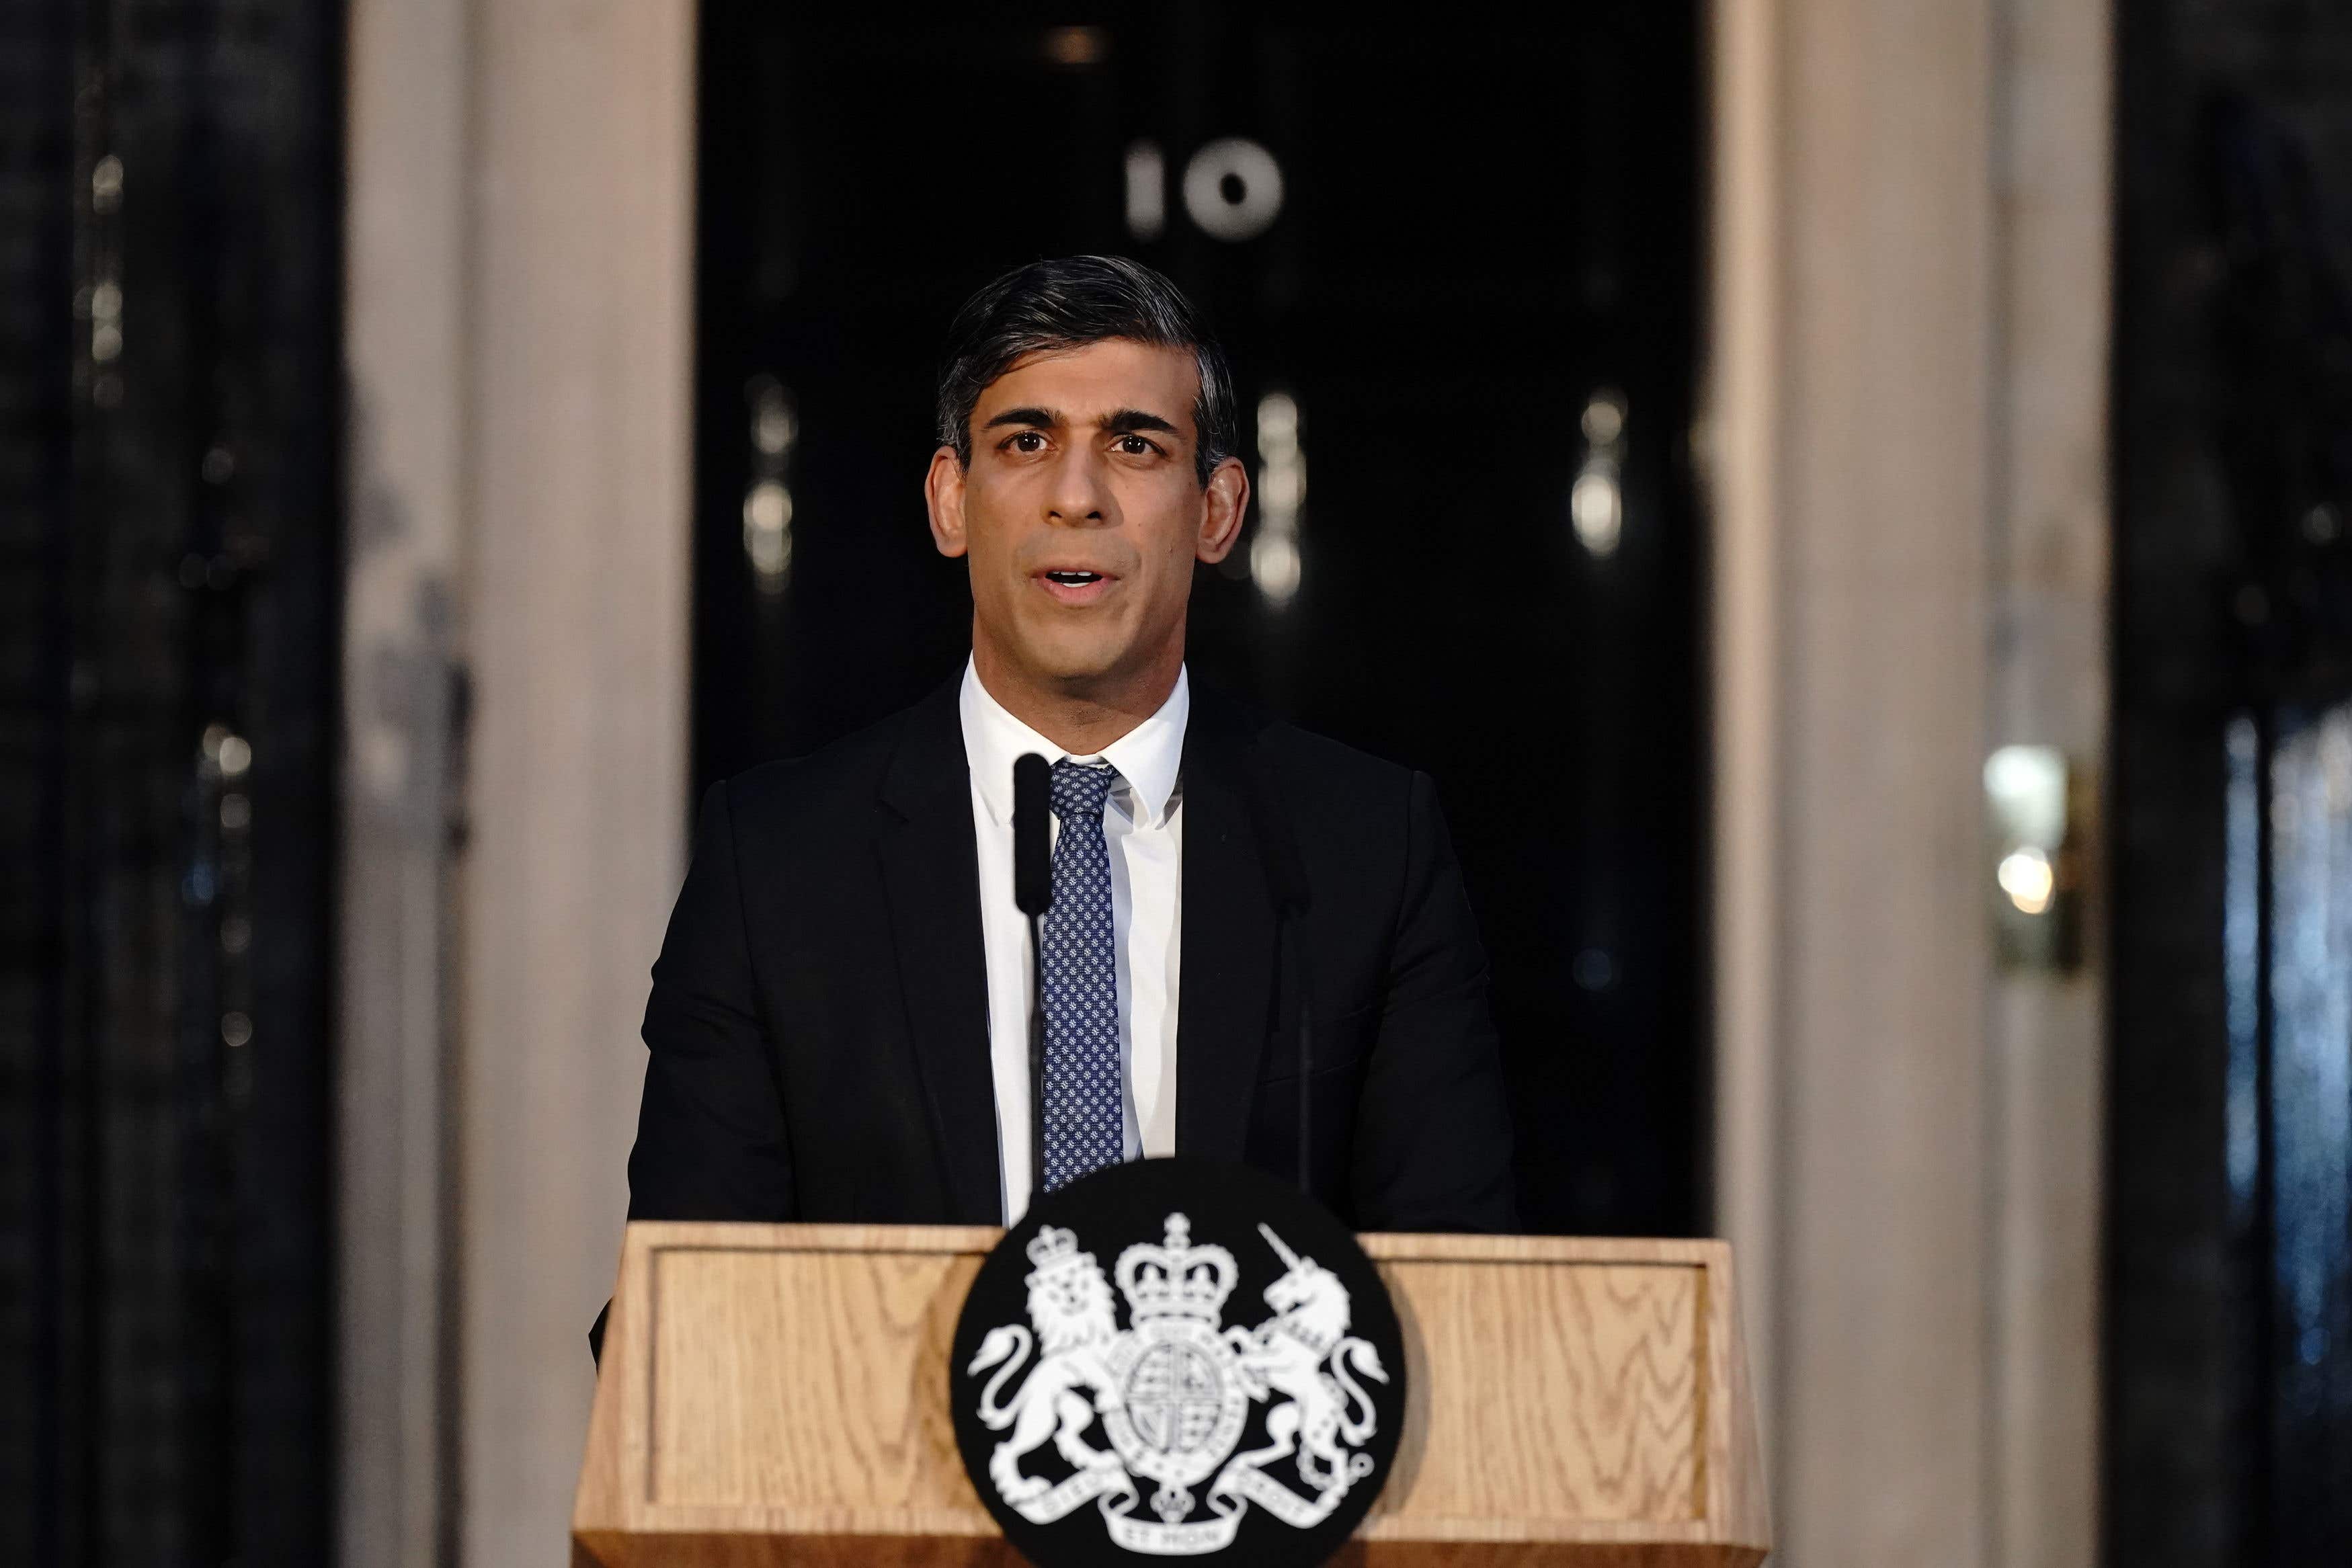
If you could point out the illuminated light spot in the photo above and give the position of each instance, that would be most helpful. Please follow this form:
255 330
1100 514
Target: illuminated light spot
772 429
767 532
2025 875
1275 560
1275 567
1597 507
1605 418
2026 788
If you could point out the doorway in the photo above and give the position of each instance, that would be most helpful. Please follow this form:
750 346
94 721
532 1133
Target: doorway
1457 274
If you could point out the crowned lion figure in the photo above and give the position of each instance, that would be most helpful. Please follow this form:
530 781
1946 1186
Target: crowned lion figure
1071 1309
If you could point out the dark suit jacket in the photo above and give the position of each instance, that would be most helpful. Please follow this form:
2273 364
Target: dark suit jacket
819 1031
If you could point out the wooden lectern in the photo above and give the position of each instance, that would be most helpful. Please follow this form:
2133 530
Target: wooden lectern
777 1394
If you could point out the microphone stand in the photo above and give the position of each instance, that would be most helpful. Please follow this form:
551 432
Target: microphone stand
1294 981
1036 1057
1285 879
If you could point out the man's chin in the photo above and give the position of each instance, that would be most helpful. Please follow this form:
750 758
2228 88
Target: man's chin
1077 665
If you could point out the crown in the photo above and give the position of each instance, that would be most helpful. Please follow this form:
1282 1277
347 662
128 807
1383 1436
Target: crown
1176 1279
1053 1250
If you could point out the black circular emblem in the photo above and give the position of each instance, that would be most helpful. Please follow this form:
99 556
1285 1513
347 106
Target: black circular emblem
1178 1358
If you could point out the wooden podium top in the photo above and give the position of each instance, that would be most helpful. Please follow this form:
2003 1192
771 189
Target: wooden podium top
778 1393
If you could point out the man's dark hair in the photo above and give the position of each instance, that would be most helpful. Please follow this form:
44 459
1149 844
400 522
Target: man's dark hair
1048 306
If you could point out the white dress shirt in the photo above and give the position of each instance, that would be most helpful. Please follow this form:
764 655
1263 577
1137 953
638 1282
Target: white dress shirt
1143 827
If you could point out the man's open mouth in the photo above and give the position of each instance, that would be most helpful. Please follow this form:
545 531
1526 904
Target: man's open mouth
1074 586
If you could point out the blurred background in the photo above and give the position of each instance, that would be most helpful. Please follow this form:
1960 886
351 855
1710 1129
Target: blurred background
1847 497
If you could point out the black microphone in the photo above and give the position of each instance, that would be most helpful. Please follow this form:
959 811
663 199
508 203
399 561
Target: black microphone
1286 879
1032 852
1033 894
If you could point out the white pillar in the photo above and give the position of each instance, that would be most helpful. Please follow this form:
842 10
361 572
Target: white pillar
521 222
2049 686
1904 436
576 616
405 361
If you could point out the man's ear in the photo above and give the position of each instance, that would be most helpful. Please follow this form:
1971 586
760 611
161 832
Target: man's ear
943 494
1224 505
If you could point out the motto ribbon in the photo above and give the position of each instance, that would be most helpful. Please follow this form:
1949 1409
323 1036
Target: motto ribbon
1239 1481
1048 1506
1174 1540
1234 1489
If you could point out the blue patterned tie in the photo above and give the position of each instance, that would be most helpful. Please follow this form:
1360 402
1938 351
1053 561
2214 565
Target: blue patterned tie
1085 1122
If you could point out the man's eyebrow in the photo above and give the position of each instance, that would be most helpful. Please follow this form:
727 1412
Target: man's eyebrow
1128 419
1045 416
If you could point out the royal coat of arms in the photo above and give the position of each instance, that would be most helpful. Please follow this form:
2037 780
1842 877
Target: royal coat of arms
1173 1393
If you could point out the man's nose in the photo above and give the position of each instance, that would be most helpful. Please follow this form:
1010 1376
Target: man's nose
1080 493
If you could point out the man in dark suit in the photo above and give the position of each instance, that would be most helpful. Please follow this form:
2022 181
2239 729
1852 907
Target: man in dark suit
839 1021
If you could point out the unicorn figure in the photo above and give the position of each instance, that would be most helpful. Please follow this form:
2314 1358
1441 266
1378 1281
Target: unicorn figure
1304 1355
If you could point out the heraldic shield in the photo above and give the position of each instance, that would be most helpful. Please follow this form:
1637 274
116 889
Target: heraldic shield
1262 1442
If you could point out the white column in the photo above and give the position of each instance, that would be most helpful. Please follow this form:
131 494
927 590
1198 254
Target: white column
576 618
520 338
405 356
1740 445
1905 444
2049 686
1883 953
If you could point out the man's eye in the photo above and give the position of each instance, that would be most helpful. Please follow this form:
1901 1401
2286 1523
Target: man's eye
1135 446
1027 441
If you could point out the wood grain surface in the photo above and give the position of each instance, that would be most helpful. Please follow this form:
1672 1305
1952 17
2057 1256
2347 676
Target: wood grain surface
777 1394
782 1399
1549 1394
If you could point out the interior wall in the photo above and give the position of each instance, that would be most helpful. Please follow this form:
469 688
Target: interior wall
520 216
1905 433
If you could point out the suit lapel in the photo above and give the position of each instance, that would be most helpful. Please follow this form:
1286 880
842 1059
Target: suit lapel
1227 972
931 875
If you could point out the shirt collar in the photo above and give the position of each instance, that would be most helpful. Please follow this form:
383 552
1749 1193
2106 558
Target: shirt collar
1148 757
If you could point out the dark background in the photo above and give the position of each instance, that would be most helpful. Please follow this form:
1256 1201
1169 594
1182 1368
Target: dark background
1479 231
170 574
2229 1331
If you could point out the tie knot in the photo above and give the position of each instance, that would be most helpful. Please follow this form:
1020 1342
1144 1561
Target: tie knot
1079 790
